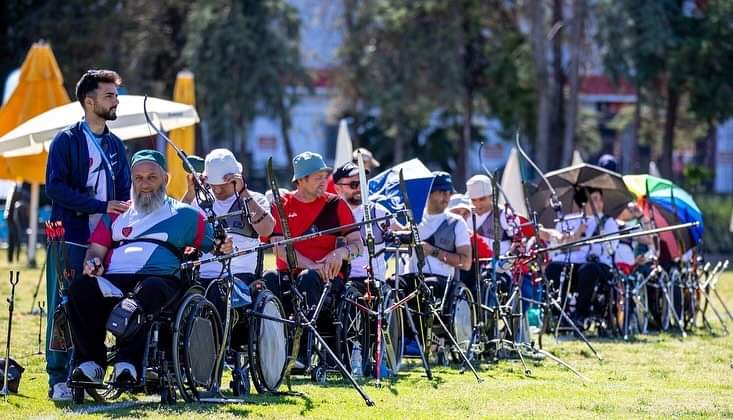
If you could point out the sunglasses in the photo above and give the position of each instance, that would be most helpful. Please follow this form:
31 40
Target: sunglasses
353 184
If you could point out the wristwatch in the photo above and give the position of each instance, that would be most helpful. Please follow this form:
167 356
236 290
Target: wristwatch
435 252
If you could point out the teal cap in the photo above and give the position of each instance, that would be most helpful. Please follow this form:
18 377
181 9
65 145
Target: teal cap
308 163
149 155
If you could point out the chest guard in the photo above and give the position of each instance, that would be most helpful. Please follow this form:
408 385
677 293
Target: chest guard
486 229
445 236
377 230
238 224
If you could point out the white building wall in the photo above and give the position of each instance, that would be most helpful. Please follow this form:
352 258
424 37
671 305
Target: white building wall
308 132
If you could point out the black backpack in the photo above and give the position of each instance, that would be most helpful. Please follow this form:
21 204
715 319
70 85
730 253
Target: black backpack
15 371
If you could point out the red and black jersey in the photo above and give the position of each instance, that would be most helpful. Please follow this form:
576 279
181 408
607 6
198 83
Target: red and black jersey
326 212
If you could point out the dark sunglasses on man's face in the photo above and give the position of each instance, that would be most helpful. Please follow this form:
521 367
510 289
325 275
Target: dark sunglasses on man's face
353 184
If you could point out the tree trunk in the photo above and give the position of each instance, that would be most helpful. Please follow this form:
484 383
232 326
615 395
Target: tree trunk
538 36
670 120
399 146
557 87
630 154
284 114
577 32
241 139
464 150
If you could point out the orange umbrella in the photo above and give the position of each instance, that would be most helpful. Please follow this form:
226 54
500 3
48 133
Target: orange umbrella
40 88
185 138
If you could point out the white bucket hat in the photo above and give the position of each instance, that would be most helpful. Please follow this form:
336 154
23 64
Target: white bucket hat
220 163
479 186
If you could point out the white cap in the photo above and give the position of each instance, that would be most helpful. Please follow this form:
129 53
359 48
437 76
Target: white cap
220 163
478 186
459 201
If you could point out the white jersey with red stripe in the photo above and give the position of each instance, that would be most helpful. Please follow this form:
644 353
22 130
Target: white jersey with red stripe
176 223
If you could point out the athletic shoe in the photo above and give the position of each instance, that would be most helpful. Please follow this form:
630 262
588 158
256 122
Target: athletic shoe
88 372
125 374
60 392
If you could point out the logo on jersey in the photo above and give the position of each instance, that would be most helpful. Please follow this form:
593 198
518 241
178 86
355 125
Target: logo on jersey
126 231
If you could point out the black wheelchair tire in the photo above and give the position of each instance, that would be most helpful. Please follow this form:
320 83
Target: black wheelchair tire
192 304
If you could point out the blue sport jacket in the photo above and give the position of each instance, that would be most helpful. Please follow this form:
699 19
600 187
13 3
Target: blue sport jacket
66 178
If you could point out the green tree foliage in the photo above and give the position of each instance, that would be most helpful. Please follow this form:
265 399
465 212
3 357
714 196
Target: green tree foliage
141 40
245 54
710 70
415 61
683 58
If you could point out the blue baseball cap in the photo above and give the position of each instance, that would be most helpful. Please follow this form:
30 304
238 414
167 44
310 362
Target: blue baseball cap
442 181
608 162
308 163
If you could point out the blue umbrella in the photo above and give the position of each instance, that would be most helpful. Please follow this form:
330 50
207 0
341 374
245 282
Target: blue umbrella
384 188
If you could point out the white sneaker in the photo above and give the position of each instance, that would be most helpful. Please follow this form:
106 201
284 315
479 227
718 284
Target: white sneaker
61 392
88 372
124 372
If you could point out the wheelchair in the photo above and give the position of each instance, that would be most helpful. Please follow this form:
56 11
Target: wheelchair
454 303
356 320
263 355
184 355
181 352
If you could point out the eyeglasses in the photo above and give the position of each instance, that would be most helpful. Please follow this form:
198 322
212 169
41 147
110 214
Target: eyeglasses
353 184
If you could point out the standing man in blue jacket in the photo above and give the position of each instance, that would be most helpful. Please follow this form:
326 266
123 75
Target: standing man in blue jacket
87 175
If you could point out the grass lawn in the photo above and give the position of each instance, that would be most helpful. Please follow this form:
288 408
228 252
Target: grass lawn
654 376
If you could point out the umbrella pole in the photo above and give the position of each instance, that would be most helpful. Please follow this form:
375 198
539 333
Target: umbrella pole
33 238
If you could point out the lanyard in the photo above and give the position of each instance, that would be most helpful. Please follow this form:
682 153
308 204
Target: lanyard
93 138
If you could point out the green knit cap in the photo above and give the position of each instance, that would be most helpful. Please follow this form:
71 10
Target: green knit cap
149 155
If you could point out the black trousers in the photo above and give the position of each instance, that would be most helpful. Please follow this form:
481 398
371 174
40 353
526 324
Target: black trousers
585 278
89 310
308 283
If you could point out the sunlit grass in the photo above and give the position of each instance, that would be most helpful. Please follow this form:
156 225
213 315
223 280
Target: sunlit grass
655 376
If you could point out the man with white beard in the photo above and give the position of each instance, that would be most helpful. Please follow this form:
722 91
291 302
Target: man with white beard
139 253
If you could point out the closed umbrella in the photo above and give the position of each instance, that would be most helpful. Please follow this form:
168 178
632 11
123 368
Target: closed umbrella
184 92
40 88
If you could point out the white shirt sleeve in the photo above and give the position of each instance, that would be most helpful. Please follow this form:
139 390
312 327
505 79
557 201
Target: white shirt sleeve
261 200
461 231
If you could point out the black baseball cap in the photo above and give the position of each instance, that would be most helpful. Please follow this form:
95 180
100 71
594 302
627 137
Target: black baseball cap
346 170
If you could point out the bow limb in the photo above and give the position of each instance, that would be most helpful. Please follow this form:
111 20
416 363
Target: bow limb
555 202
491 176
203 195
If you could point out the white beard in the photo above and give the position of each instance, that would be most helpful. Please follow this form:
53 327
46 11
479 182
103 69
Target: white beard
146 203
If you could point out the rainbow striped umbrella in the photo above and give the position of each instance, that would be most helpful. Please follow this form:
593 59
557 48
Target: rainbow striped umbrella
668 204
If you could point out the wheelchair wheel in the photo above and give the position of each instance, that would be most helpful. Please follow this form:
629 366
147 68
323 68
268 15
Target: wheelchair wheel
268 344
658 305
640 299
393 333
197 336
351 329
461 319
675 292
689 299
